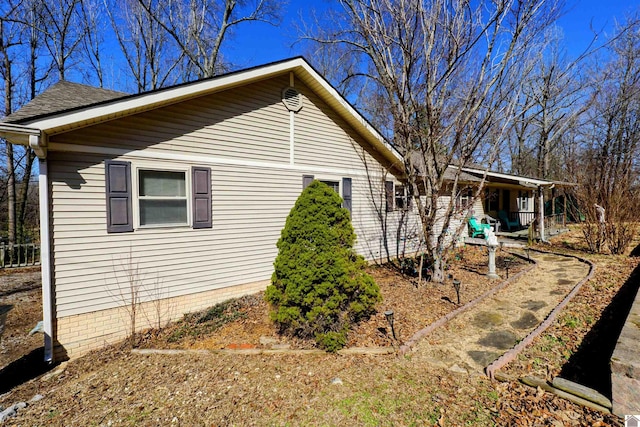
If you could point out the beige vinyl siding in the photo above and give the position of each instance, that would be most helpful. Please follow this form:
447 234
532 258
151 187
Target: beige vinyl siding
240 248
245 123
250 203
458 221
318 131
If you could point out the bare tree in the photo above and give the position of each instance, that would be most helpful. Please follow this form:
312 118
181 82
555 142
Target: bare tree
144 44
552 99
9 39
446 70
610 171
93 41
64 30
198 28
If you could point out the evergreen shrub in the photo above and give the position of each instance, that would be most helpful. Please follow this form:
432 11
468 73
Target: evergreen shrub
319 287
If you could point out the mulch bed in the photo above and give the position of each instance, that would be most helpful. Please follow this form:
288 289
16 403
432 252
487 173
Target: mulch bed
244 323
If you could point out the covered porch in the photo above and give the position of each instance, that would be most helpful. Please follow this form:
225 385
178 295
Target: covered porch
523 208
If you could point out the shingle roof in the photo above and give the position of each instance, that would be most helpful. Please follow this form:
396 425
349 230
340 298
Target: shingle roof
449 173
62 96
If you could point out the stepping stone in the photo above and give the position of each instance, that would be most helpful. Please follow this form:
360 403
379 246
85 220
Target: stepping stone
483 358
502 340
557 292
533 305
563 282
526 321
487 319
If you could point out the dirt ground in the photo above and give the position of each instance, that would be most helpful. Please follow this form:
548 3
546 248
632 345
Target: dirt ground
21 289
246 324
115 387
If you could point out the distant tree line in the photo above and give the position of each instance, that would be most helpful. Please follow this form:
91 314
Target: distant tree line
161 42
447 82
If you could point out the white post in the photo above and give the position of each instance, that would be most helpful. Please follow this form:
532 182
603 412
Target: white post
541 213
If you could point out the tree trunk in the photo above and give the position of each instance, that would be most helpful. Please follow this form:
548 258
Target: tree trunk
11 195
24 196
11 177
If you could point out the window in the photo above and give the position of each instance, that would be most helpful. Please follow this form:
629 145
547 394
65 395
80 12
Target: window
403 197
347 198
335 185
464 199
523 202
162 197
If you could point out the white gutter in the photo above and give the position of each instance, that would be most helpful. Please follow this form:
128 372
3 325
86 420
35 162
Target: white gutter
520 179
45 260
18 134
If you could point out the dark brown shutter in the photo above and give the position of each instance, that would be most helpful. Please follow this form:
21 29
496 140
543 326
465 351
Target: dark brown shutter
389 195
346 195
201 183
306 181
118 193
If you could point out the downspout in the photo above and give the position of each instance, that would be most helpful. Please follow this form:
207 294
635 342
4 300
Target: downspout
38 144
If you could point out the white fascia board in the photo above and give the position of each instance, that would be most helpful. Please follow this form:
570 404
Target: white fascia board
520 180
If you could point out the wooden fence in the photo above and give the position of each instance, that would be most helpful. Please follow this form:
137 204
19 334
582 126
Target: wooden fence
19 255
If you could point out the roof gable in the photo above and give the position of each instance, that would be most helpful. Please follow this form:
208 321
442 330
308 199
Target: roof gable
80 116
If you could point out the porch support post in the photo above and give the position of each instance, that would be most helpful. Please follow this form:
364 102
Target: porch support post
541 213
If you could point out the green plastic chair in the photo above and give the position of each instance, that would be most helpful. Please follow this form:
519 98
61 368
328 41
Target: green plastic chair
504 219
478 229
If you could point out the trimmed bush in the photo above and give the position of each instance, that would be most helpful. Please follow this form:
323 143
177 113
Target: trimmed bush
319 286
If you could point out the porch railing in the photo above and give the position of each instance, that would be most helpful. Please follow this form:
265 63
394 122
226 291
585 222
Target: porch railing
554 222
524 218
19 255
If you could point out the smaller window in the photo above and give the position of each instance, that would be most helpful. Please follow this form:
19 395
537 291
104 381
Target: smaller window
403 197
464 199
335 185
162 197
524 201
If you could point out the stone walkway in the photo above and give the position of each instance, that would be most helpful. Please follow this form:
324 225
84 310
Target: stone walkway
474 339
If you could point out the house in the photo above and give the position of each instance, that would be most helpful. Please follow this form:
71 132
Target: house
176 197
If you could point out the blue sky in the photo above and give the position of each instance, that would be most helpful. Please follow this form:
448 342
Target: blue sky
260 43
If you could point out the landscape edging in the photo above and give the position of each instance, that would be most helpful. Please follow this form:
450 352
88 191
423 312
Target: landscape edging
510 355
447 317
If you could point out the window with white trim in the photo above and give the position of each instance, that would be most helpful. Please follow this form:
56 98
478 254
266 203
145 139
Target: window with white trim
162 197
403 197
523 204
464 200
335 185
